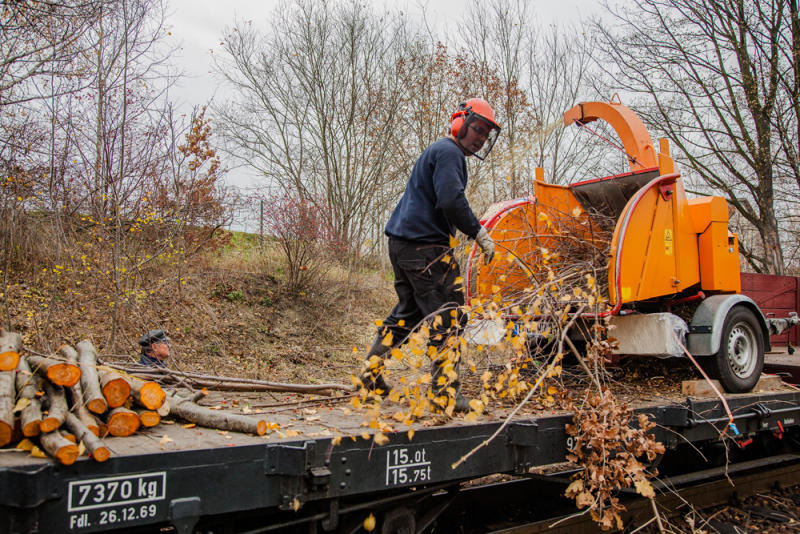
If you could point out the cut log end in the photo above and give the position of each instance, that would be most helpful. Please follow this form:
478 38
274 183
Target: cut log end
151 396
149 419
32 429
64 374
101 454
59 447
68 454
116 392
97 406
261 428
6 431
9 360
123 422
49 424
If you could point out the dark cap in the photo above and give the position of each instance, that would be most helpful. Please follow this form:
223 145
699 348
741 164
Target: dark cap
153 336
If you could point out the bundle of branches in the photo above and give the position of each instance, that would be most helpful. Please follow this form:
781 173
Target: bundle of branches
165 375
65 404
549 268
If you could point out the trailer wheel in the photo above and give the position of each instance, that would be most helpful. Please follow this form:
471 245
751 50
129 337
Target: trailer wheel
740 359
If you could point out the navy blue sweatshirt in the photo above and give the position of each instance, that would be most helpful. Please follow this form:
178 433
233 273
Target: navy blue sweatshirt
434 205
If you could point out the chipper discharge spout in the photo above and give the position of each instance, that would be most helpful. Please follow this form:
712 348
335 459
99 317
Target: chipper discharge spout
646 246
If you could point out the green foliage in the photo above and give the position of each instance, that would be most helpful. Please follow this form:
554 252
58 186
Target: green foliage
234 296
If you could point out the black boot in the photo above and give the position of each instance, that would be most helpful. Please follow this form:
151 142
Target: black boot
375 383
441 390
462 403
372 378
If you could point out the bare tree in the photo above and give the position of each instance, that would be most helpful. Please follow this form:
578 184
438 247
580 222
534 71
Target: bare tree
717 78
497 43
39 39
316 106
557 77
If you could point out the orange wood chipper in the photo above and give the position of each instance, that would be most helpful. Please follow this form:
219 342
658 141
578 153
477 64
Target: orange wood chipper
667 266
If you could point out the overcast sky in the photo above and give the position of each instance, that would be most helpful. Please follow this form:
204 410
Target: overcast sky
198 25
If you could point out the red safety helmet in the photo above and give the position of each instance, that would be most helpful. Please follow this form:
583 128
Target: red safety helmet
474 127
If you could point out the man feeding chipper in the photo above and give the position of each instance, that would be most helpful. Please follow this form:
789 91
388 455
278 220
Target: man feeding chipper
432 208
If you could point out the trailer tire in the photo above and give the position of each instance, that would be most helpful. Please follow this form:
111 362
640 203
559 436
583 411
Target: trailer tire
740 359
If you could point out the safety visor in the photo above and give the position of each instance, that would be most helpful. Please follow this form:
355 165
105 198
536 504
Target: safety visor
478 134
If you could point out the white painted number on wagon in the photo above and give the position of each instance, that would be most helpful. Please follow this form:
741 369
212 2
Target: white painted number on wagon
102 502
407 466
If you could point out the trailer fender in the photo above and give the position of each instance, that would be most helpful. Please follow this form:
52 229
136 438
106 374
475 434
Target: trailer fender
705 330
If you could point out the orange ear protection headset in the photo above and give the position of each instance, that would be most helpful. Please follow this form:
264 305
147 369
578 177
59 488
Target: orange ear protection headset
458 117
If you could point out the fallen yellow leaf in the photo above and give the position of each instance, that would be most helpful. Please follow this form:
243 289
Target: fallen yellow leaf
369 523
21 404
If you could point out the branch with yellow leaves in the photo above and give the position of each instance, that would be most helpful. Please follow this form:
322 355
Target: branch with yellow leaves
547 372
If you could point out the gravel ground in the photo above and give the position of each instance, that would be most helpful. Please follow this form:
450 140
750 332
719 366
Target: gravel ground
771 513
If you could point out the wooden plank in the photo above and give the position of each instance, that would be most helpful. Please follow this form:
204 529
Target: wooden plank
702 388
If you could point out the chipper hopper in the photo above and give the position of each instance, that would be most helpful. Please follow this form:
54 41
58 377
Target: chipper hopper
665 267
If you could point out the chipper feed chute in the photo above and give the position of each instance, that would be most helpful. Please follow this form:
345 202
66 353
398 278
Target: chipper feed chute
646 246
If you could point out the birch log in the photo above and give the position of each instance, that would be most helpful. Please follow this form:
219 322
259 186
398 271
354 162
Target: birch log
10 345
7 393
148 394
31 415
75 394
90 383
59 447
57 372
90 440
122 422
56 407
148 418
115 388
186 409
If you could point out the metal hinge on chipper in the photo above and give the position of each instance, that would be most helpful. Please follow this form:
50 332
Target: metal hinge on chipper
299 476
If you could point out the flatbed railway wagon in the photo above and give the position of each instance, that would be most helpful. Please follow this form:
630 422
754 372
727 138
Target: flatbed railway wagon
203 481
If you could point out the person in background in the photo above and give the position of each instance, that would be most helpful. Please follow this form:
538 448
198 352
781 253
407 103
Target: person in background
420 232
155 348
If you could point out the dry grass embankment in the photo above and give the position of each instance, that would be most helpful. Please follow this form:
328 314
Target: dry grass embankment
228 313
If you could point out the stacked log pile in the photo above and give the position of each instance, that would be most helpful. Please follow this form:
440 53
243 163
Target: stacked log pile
68 403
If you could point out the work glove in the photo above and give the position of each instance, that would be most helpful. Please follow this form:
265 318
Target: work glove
487 245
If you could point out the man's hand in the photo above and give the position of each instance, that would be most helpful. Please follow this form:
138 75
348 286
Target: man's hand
487 245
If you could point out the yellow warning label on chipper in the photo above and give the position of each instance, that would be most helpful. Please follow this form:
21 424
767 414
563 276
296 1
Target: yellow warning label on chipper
626 293
668 243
